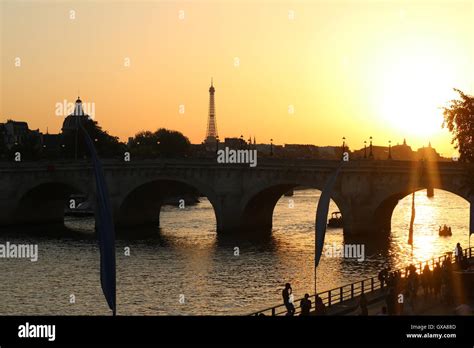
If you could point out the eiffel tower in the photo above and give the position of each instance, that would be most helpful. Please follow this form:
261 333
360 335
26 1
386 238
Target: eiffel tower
211 132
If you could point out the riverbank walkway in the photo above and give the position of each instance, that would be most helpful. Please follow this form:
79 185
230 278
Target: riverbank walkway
345 300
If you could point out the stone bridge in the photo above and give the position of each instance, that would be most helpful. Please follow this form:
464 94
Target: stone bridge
243 198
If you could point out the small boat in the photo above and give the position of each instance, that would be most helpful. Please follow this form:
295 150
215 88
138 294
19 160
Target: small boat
83 209
445 231
336 220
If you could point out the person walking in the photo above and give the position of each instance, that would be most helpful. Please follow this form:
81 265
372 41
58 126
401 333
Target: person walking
287 295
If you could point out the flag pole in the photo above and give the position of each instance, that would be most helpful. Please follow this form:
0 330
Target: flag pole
315 266
105 227
471 220
321 221
412 221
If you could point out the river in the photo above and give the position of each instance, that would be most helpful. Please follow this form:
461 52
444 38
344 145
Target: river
187 270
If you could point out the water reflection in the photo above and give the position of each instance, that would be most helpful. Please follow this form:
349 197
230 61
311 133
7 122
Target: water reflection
443 208
186 257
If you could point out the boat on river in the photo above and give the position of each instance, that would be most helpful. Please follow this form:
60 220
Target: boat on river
336 220
445 231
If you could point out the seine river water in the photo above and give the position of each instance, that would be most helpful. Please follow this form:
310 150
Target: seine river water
188 270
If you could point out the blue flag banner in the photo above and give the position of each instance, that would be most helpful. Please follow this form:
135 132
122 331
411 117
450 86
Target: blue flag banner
105 228
322 214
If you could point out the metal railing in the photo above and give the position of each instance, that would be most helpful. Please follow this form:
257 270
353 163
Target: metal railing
350 291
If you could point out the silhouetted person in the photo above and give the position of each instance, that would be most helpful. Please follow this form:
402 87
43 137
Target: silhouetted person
383 312
390 301
409 309
397 275
286 293
363 305
390 280
383 274
412 283
437 280
305 305
459 254
426 280
319 306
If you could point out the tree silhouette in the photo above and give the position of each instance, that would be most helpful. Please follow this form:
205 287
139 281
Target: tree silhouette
163 142
172 143
144 145
106 144
459 119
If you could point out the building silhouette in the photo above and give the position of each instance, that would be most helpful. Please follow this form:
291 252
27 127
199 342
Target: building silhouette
71 122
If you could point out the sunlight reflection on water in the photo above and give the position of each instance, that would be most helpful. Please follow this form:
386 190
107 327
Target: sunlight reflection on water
188 259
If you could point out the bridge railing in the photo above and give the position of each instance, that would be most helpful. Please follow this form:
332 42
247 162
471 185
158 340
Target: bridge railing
350 291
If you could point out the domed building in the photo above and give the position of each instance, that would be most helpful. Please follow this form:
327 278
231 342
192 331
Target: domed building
71 122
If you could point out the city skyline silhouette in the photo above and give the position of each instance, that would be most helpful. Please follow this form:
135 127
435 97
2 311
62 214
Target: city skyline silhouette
278 72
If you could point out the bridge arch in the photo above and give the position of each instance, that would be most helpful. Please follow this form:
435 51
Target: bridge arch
384 208
258 204
44 201
141 203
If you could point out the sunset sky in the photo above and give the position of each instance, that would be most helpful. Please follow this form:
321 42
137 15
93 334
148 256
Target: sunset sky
348 68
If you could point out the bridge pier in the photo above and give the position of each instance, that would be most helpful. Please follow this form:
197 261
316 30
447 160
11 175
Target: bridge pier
253 219
136 212
47 212
430 192
42 205
368 219
30 212
228 213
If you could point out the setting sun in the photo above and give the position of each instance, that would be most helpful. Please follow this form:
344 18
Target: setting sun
413 85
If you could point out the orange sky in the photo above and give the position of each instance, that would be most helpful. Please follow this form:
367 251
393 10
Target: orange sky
348 68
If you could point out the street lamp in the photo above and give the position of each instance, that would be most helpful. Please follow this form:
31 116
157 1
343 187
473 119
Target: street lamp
158 152
241 141
365 148
271 147
389 149
343 146
217 143
371 154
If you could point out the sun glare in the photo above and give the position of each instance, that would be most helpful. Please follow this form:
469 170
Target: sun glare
412 91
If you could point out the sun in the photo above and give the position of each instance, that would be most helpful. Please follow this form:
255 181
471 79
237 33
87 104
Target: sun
412 88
